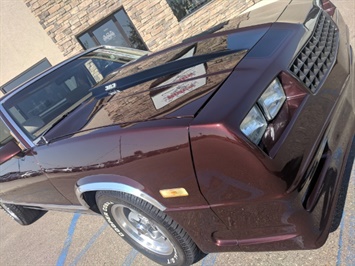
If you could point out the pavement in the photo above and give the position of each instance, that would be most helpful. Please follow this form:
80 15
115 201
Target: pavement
74 239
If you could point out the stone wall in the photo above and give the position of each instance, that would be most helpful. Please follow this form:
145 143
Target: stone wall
63 20
20 33
159 27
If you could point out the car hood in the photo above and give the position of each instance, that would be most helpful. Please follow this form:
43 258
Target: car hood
177 82
171 84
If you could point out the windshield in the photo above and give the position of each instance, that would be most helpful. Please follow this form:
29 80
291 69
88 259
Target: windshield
37 107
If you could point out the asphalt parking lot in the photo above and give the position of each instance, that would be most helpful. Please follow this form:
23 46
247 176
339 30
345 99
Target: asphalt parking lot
73 239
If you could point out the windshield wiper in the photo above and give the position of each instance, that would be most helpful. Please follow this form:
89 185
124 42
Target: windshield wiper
56 123
52 126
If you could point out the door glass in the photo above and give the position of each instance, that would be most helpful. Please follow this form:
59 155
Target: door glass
108 34
5 135
129 29
87 41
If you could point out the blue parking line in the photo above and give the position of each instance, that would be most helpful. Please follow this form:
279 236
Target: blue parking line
130 257
89 244
350 258
347 257
210 259
340 243
68 240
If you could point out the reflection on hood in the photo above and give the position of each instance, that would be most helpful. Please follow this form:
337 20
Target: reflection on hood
170 84
167 81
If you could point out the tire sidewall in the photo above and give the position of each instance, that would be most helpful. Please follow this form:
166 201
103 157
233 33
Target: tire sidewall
12 213
177 257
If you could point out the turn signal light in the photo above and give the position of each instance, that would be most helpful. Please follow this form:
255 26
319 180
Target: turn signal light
173 192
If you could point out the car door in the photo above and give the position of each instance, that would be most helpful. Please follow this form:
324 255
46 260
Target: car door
22 181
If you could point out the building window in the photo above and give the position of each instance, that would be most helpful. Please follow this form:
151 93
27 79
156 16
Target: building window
183 8
26 75
115 30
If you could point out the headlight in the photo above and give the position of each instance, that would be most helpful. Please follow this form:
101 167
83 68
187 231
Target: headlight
266 108
272 99
254 125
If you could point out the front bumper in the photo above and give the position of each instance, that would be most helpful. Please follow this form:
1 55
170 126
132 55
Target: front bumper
320 188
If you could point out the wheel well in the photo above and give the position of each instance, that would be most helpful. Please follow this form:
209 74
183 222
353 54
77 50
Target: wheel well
86 192
89 198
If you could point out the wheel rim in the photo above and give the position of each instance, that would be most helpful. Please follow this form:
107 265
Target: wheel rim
142 230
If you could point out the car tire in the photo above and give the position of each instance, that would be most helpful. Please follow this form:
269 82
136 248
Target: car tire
23 216
147 229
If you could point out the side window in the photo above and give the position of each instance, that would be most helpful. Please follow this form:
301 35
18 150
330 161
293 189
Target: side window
5 135
46 101
8 148
38 106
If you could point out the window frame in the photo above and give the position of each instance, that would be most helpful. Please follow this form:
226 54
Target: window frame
111 17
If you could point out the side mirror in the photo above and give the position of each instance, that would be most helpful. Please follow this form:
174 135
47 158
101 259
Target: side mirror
9 150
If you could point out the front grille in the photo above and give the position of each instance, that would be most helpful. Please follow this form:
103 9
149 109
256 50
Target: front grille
315 59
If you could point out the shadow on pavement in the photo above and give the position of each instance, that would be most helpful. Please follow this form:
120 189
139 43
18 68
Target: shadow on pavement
344 189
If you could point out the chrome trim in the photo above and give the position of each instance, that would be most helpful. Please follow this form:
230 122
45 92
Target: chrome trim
351 54
111 186
317 3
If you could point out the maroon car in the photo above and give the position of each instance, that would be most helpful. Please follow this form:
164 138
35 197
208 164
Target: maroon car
235 139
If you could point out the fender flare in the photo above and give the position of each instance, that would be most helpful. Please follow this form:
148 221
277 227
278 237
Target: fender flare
113 183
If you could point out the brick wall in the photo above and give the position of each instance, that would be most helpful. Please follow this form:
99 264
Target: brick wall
159 27
63 20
